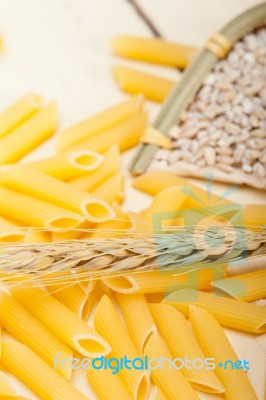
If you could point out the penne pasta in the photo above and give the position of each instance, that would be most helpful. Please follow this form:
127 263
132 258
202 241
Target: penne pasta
247 265
109 325
36 374
154 297
154 182
10 232
231 313
108 386
32 182
62 322
152 50
246 287
163 208
19 112
109 166
29 331
87 285
38 213
6 389
182 343
157 394
163 281
34 235
71 234
138 318
169 380
73 297
24 138
69 165
126 135
133 81
216 345
254 215
111 190
98 123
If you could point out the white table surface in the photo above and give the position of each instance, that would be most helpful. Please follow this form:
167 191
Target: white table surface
60 49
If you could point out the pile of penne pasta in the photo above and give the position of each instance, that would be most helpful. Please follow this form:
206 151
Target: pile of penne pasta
76 195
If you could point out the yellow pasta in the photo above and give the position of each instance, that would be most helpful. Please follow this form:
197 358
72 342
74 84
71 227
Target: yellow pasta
73 297
19 112
61 235
112 228
157 394
98 123
154 182
126 135
133 81
228 312
37 236
28 330
69 165
6 389
109 166
10 232
45 187
62 322
108 386
28 210
182 343
152 50
109 325
163 281
29 135
246 287
165 204
138 318
87 285
110 190
36 374
216 345
170 380
254 215
248 265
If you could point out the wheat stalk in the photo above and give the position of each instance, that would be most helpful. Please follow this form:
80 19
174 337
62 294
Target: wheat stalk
175 250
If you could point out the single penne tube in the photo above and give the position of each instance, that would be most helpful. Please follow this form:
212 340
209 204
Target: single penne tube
132 81
113 228
109 325
162 281
6 389
26 137
10 232
28 330
126 135
164 207
154 182
69 165
231 313
138 318
62 322
37 374
182 343
215 344
28 210
32 182
152 50
111 189
246 287
19 112
98 123
108 386
73 297
170 380
92 179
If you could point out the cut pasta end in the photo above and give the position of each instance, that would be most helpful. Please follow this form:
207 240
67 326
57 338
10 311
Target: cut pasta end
65 222
35 100
97 210
152 331
143 388
204 387
86 160
91 346
12 237
121 284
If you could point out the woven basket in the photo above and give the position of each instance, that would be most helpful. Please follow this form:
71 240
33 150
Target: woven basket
184 92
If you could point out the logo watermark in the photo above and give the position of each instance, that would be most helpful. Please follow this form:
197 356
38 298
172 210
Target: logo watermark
145 363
